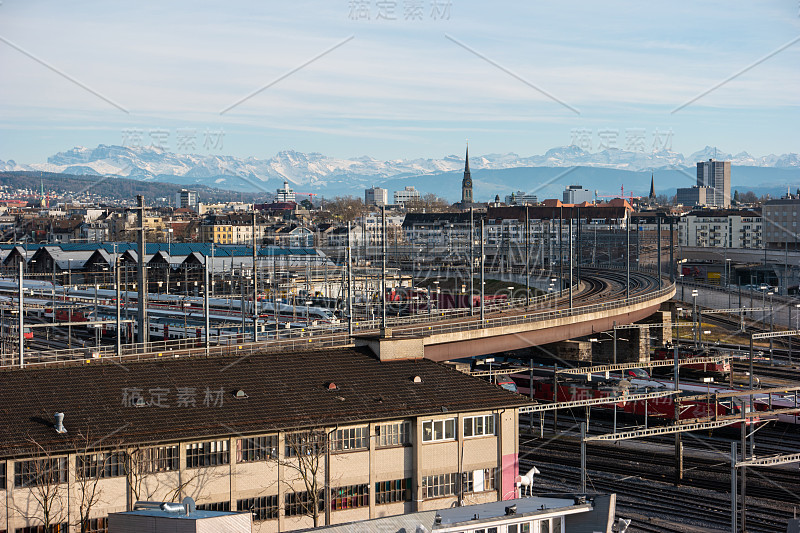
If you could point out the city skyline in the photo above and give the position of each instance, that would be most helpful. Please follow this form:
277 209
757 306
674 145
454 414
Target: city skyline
324 78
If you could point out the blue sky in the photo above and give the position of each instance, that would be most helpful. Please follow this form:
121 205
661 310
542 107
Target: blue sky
509 76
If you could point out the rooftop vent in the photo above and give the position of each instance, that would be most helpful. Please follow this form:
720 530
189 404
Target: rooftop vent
444 409
60 423
416 379
511 509
332 386
140 402
437 519
240 394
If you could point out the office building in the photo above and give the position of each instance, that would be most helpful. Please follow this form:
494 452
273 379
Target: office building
717 176
376 196
186 198
284 195
781 218
408 194
576 194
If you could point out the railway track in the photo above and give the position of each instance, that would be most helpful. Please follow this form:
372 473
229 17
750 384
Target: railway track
597 287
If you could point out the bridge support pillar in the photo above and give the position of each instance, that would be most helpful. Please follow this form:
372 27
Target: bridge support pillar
633 346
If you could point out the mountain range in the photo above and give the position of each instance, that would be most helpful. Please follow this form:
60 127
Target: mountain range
492 174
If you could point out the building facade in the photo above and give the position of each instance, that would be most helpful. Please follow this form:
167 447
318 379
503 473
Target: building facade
694 196
376 196
186 198
576 194
408 194
719 228
355 438
717 176
780 220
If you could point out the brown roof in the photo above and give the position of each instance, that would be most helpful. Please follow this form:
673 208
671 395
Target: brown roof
284 391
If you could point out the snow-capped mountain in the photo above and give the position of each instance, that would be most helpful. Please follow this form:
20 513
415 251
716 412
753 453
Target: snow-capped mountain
333 175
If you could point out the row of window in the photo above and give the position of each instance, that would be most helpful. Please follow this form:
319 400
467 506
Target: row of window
441 485
474 426
251 449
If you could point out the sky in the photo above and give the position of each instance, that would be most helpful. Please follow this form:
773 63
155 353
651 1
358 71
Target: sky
398 79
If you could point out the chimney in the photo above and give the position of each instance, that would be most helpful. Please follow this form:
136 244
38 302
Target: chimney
60 423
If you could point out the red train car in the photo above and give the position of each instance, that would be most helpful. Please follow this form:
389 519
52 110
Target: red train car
721 368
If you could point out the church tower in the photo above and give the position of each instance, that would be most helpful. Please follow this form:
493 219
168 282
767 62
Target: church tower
652 198
466 184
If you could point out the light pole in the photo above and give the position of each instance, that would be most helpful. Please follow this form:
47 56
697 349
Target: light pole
728 278
696 332
510 295
490 360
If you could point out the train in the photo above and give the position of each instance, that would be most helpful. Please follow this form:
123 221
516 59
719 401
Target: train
720 369
661 409
414 300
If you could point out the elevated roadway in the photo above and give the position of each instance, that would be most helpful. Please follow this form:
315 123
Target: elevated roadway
600 299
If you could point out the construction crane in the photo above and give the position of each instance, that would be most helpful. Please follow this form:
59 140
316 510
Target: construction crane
620 195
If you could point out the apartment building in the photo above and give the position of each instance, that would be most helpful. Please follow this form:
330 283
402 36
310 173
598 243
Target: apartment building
721 228
234 228
320 437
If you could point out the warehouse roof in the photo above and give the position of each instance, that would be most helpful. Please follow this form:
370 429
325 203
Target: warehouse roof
147 402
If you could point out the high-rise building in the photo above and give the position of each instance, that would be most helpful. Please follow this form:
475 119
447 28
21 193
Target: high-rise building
576 194
186 198
376 196
717 176
284 195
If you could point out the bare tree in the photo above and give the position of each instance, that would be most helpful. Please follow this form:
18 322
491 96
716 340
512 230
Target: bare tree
91 465
46 476
345 208
306 456
429 203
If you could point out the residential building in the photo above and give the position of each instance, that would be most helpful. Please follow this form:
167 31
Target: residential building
721 228
266 434
408 194
439 229
231 229
376 196
576 194
780 219
717 176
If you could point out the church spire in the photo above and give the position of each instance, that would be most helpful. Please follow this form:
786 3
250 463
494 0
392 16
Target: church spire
652 188
466 183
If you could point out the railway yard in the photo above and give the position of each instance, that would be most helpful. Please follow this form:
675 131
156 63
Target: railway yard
643 472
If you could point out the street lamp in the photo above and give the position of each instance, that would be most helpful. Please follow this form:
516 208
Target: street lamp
490 360
510 295
708 381
696 332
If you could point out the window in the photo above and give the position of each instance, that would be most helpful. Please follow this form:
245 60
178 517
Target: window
263 508
44 471
158 459
398 490
480 480
439 485
477 426
55 528
209 453
300 503
349 497
216 506
398 434
256 449
96 525
100 465
305 443
436 430
2 475
350 439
